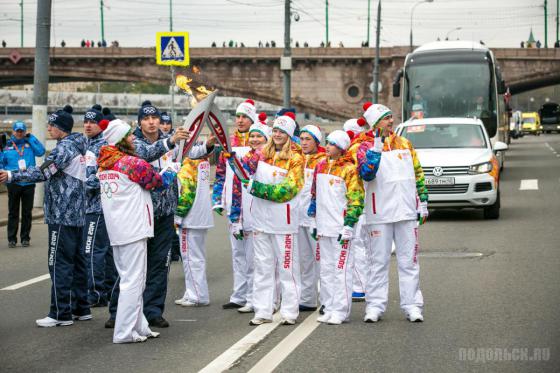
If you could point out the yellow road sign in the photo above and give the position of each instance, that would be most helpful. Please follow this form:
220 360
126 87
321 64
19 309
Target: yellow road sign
172 48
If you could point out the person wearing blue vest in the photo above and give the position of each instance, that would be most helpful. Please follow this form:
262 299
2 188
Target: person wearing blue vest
19 154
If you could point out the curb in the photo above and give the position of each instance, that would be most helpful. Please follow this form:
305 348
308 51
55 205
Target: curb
35 215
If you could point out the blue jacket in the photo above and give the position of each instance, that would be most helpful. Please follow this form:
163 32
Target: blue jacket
31 148
63 173
93 195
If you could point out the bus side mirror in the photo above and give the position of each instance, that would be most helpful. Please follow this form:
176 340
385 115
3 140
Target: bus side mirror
500 146
397 84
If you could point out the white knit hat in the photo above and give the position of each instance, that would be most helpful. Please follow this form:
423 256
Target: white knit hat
339 138
314 131
354 127
248 109
116 131
286 123
373 113
263 129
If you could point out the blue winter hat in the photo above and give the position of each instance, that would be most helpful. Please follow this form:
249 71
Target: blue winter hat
166 118
147 109
94 114
62 119
19 126
107 114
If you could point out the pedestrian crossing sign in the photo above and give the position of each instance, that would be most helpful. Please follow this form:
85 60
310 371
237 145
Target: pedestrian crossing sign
172 48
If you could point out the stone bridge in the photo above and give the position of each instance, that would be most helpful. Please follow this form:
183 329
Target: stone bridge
330 82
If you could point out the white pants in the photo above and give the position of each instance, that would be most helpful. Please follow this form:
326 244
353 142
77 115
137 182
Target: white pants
360 273
309 258
378 250
336 277
276 253
242 259
193 253
131 260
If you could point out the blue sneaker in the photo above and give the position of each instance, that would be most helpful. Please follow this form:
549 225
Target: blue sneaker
358 297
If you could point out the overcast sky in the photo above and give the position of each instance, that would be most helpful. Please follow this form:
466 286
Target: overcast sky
499 23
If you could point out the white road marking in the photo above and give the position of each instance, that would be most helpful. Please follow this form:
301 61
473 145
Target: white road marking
283 349
235 352
28 282
185 320
529 184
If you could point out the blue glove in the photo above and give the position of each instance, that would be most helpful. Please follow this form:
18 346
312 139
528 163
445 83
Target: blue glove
312 210
168 177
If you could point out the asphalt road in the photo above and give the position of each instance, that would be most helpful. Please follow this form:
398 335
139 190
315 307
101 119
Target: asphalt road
507 298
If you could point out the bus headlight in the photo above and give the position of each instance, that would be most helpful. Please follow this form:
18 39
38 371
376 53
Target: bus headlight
480 168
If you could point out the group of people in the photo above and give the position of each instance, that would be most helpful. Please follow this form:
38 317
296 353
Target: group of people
309 226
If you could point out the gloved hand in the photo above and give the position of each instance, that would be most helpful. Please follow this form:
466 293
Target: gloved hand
218 209
237 230
312 209
422 212
177 220
346 234
377 144
244 182
168 177
314 234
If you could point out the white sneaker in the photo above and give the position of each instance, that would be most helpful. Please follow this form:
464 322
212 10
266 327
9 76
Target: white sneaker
245 309
139 339
287 321
188 303
335 321
180 301
153 335
259 321
324 318
414 315
372 316
83 317
48 322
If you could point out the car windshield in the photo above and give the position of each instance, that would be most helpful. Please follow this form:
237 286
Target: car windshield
528 120
424 136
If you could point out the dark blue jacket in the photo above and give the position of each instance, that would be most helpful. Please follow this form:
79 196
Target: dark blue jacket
30 148
63 173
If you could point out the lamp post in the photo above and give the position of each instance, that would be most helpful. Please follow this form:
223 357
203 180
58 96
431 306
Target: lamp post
450 31
412 13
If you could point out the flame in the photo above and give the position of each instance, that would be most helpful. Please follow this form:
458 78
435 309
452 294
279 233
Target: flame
196 95
202 89
182 82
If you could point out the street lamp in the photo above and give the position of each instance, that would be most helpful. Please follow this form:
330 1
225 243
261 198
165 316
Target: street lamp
450 31
412 13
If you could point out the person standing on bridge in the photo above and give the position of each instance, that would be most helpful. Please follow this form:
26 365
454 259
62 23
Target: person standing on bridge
309 251
19 154
246 115
396 197
64 174
278 179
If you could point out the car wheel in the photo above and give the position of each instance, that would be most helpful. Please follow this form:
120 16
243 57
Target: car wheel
493 211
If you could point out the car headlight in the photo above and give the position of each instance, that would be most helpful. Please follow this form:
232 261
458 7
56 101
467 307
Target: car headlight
480 168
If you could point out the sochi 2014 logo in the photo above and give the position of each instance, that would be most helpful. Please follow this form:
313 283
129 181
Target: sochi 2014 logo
109 188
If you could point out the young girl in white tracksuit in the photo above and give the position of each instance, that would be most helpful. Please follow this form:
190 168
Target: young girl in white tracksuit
308 246
337 203
125 182
278 178
396 198
193 218
241 217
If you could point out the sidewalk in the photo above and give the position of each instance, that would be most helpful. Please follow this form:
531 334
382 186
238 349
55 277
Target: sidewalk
37 212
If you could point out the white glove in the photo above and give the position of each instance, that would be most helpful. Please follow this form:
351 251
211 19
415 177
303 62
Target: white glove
346 233
178 220
377 145
423 209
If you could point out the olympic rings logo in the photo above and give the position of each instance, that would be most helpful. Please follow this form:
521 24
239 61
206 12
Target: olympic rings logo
52 118
90 115
149 110
109 188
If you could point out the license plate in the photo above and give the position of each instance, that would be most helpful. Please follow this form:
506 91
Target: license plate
440 181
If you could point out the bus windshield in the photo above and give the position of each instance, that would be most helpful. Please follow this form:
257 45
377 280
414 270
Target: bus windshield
449 89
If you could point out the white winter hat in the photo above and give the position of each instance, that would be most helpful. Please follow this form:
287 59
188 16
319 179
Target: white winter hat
286 123
248 109
373 113
314 131
354 127
339 138
116 131
263 129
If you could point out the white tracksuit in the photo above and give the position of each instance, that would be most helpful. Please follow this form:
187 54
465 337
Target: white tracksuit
126 201
391 214
361 266
275 245
192 238
309 249
336 259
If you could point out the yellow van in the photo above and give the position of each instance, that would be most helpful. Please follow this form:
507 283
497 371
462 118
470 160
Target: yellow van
531 123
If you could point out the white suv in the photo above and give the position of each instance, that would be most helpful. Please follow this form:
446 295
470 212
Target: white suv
459 163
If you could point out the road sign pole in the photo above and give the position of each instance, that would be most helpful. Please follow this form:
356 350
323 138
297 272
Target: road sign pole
21 23
172 88
102 22
376 64
287 73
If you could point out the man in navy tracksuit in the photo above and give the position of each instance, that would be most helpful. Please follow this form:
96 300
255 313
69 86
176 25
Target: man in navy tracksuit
63 173
19 153
152 146
102 273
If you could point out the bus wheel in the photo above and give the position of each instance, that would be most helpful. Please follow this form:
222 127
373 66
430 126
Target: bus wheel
493 211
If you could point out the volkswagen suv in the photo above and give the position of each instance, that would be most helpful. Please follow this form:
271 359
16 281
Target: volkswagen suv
459 163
